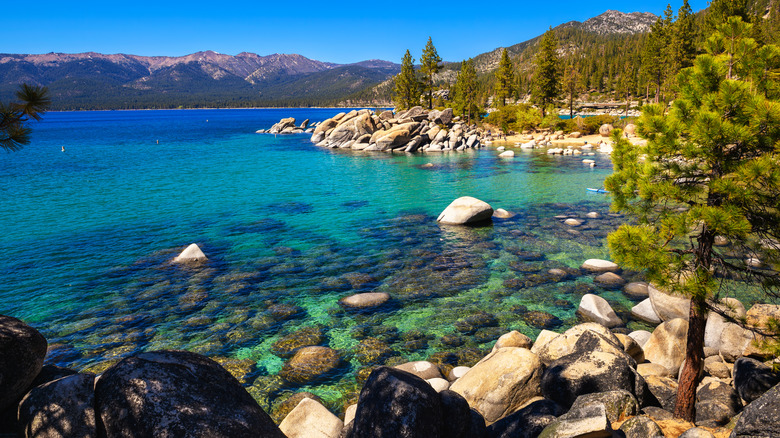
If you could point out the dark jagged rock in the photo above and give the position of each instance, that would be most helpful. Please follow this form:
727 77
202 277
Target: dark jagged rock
716 403
752 378
457 416
397 404
23 350
618 404
761 418
528 422
641 427
584 373
176 394
663 391
60 409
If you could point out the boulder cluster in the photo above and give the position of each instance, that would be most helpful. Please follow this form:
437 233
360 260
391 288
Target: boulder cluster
288 126
591 380
412 130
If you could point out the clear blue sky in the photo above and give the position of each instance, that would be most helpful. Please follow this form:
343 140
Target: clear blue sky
333 31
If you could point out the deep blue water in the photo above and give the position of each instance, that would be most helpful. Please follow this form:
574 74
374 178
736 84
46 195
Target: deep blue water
88 234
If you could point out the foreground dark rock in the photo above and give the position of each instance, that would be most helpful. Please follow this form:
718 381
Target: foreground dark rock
576 374
761 418
63 408
22 350
528 422
752 378
394 403
177 394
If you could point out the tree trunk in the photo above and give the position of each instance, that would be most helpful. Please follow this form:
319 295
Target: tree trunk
685 408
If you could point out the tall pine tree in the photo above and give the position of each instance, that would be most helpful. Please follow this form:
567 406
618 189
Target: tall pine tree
505 78
429 66
547 81
466 91
406 90
572 85
710 168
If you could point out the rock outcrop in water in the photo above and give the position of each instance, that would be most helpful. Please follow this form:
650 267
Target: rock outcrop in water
413 130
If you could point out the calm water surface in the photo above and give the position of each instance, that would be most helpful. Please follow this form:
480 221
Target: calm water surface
290 228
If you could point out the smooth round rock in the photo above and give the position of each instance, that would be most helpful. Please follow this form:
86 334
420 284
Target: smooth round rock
636 290
596 309
22 350
573 222
310 364
466 210
609 280
597 265
60 409
421 368
666 346
177 394
365 300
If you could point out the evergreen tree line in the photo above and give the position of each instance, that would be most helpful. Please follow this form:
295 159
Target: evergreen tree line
568 64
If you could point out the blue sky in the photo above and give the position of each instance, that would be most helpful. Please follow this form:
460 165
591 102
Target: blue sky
333 31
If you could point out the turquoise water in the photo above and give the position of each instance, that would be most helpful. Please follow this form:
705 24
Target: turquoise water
289 228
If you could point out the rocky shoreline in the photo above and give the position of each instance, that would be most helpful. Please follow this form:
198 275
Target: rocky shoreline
412 130
594 379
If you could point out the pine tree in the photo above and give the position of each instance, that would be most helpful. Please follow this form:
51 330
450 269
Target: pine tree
710 168
684 37
505 78
14 117
720 10
654 59
429 66
466 91
572 86
407 92
547 82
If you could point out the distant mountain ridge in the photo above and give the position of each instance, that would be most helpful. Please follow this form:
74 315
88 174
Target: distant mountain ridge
94 80
116 81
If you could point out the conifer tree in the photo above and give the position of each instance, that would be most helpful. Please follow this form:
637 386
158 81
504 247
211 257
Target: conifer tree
711 168
466 91
572 86
547 81
505 78
684 37
720 10
429 66
407 92
14 117
653 58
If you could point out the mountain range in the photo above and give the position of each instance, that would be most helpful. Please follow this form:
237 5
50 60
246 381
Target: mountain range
100 81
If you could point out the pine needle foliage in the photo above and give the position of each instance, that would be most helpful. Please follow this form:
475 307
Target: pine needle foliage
33 102
711 168
467 92
406 90
505 78
546 81
429 66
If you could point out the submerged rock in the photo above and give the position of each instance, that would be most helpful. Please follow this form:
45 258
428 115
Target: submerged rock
310 364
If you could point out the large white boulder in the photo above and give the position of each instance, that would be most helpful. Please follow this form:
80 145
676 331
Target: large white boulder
717 323
668 306
644 311
666 345
501 382
466 210
191 254
596 309
311 420
597 265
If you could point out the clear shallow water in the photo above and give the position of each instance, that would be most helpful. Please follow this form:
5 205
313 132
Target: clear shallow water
290 228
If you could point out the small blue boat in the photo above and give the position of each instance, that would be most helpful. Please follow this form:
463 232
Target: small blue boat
597 190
